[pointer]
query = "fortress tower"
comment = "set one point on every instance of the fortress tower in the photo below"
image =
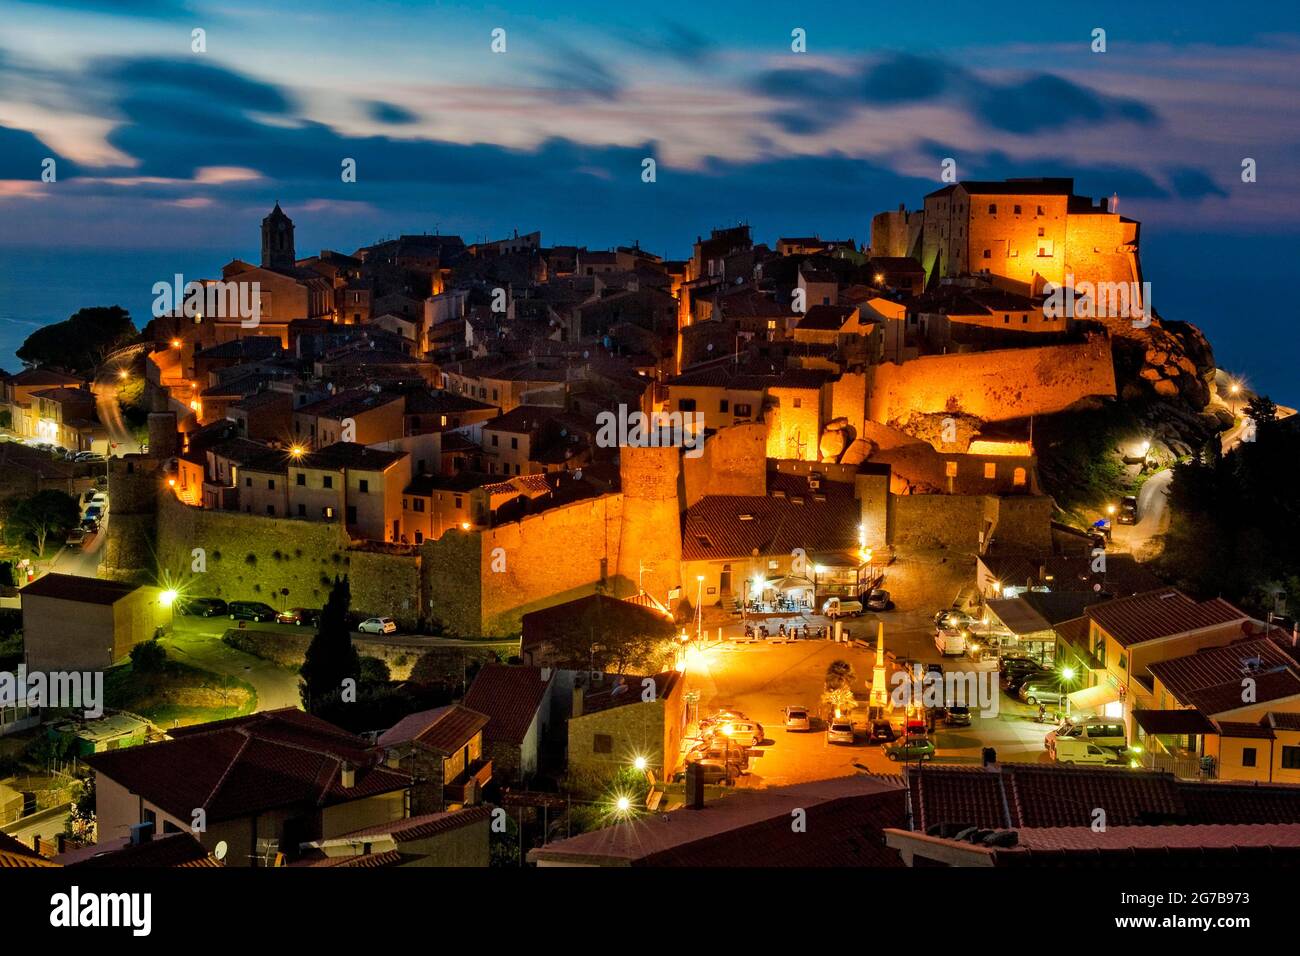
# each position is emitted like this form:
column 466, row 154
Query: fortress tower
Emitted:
column 277, row 240
column 650, row 538
column 134, row 484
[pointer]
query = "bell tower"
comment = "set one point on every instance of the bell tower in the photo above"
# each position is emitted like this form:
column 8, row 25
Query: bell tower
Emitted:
column 277, row 240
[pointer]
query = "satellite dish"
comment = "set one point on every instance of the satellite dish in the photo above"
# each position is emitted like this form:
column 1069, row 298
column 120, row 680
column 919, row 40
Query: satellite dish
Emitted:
column 221, row 850
column 587, row 354
column 710, row 346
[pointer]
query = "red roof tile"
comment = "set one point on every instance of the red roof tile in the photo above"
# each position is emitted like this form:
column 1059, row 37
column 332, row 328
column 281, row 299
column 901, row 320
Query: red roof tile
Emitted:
column 511, row 697
column 1160, row 613
column 443, row 729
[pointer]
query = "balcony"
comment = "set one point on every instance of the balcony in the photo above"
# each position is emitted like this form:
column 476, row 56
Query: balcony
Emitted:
column 466, row 787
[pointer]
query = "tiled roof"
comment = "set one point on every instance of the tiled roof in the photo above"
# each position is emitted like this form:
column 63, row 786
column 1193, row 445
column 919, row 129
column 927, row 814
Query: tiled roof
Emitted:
column 845, row 817
column 1061, row 573
column 443, row 729
column 1218, row 665
column 1232, row 802
column 511, row 697
column 165, row 850
column 625, row 689
column 15, row 855
column 826, row 318
column 1160, row 613
column 1192, row 836
column 717, row 527
column 1231, row 694
column 347, row 454
column 1173, row 722
column 1244, row 729
column 246, row 765
column 418, row 828
column 348, row 404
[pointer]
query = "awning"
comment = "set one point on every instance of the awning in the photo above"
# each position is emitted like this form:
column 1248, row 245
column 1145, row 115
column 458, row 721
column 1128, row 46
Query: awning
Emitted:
column 1090, row 698
column 795, row 582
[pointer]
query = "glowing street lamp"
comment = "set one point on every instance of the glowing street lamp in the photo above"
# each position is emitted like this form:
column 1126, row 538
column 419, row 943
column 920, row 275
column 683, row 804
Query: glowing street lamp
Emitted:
column 1234, row 390
column 166, row 598
column 699, row 607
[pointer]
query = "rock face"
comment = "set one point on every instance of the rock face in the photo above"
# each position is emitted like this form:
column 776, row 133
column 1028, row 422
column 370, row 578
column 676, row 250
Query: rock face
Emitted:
column 1166, row 360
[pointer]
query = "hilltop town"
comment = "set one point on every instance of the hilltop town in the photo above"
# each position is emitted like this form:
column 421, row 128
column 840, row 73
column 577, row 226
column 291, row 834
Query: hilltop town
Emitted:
column 564, row 519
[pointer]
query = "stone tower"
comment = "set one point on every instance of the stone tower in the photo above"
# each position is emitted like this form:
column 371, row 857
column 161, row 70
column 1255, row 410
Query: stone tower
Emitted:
column 650, row 539
column 277, row 240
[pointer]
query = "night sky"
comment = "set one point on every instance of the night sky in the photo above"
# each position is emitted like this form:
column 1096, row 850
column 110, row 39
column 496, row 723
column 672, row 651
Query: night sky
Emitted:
column 167, row 159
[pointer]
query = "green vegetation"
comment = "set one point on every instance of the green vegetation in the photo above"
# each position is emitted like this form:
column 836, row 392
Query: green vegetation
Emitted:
column 178, row 693
column 80, row 343
column 34, row 520
column 1078, row 464
column 1235, row 529
column 331, row 659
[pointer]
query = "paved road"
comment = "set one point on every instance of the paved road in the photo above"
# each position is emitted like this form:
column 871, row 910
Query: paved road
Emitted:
column 1153, row 511
column 197, row 641
column 82, row 560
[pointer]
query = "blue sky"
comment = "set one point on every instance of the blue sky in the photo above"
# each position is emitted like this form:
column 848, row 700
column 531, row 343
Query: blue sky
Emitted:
column 166, row 152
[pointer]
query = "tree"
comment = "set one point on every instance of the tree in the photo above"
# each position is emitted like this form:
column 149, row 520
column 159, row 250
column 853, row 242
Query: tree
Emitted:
column 1262, row 410
column 331, row 659
column 609, row 633
column 148, row 657
column 839, row 673
column 79, row 343
column 44, row 513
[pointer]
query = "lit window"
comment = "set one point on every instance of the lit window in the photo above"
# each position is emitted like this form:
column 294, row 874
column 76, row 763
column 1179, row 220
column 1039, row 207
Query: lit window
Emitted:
column 990, row 469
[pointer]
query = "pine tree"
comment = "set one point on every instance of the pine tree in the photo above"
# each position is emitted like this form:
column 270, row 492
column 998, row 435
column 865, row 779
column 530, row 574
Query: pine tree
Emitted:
column 331, row 658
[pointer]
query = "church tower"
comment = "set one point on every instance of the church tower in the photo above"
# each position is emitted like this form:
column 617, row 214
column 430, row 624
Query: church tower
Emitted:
column 277, row 240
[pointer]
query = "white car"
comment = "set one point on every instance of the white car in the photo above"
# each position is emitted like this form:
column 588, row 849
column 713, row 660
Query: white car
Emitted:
column 839, row 731
column 378, row 625
column 796, row 718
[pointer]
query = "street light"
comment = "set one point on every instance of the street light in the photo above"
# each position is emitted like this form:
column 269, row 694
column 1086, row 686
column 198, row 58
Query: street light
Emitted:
column 699, row 607
column 1234, row 390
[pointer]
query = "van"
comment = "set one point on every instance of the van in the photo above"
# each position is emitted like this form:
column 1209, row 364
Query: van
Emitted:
column 1075, row 751
column 950, row 641
column 1102, row 731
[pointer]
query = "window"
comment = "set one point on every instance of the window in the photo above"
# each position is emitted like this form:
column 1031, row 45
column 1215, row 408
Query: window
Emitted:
column 364, row 485
column 686, row 404
column 1041, row 232
column 327, row 512
column 743, row 410
column 495, row 442
column 270, row 509
column 514, row 443
column 302, row 511
column 302, row 479
column 950, row 469
column 993, row 209
column 248, row 482
column 405, row 505
column 419, row 505
column 1248, row 756
column 458, row 500
column 352, row 514
column 327, row 481
column 419, row 537
column 602, row 744
column 990, row 469
column 1040, row 210
column 988, row 253
column 1018, row 476
column 1291, row 758
column 1016, row 210
column 270, row 484
column 798, row 403
column 724, row 406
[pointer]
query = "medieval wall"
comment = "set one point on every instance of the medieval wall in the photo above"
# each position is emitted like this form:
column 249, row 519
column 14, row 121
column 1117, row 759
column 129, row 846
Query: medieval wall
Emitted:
column 968, row 523
column 993, row 386
column 733, row 463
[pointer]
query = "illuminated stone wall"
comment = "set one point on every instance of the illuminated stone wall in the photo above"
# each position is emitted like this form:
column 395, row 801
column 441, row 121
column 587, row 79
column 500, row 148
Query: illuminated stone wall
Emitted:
column 993, row 386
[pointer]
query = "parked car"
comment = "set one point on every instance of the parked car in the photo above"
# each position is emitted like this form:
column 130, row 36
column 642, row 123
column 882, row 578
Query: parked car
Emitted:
column 1018, row 680
column 718, row 748
column 957, row 717
column 1128, row 510
column 952, row 617
column 1042, row 690
column 715, row 771
column 878, row 600
column 839, row 731
column 94, row 511
column 297, row 615
column 250, row 611
column 881, row 732
column 797, row 718
column 950, row 641
column 742, row 733
column 90, row 525
column 1086, row 752
column 76, row 537
column 378, row 625
column 203, row 607
column 911, row 748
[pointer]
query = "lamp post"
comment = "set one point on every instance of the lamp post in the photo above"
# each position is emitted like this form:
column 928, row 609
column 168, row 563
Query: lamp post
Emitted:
column 699, row 608
column 1234, row 390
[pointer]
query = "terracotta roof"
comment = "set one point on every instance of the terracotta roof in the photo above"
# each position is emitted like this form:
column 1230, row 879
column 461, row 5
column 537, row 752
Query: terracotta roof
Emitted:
column 165, row 850
column 418, row 828
column 845, row 817
column 1218, row 665
column 826, row 318
column 511, row 697
column 1192, row 836
column 246, row 765
column 444, row 729
column 732, row 526
column 347, row 454
column 15, row 855
column 1244, row 729
column 1160, row 613
column 1174, row 722
column 1230, row 695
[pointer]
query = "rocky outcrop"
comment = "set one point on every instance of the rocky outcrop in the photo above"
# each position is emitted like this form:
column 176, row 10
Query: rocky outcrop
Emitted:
column 1172, row 361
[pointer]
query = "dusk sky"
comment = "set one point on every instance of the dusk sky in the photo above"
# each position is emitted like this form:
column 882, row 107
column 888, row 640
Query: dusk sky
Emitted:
column 167, row 159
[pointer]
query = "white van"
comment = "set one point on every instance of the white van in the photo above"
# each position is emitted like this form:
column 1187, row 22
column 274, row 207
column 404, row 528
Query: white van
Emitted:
column 1102, row 731
column 950, row 641
column 1076, row 751
column 834, row 607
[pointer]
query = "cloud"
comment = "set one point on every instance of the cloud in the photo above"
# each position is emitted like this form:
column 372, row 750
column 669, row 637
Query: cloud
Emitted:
column 573, row 71
column 390, row 113
column 22, row 153
column 1189, row 183
column 1037, row 103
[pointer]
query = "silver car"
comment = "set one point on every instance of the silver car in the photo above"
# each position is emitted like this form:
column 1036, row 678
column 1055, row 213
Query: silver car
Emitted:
column 797, row 719
column 839, row 731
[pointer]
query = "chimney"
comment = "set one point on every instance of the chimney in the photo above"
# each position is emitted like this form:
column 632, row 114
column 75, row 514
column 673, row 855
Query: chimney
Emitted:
column 141, row 833
column 577, row 702
column 60, row 842
column 1295, row 633
column 347, row 776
